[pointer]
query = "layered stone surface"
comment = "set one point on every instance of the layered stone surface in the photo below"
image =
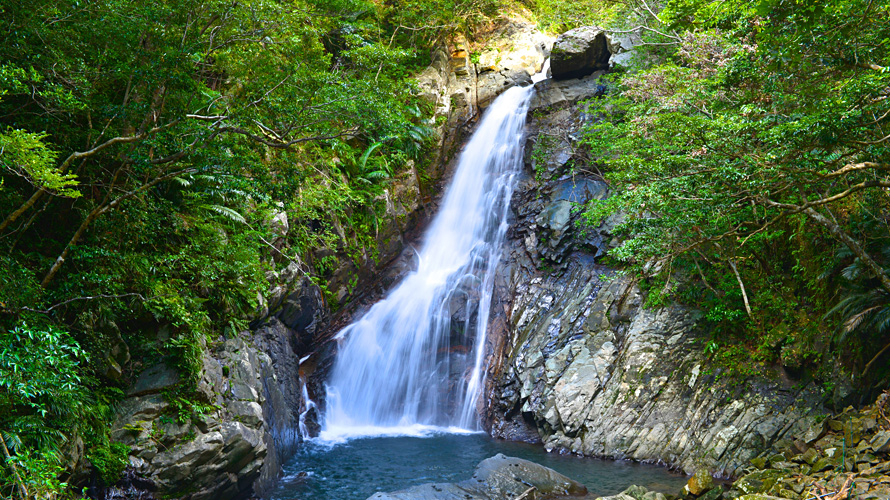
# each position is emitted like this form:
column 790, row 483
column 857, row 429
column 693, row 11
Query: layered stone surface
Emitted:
column 580, row 364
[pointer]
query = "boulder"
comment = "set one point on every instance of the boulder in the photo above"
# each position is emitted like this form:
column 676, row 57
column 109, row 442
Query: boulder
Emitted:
column 712, row 494
column 635, row 492
column 881, row 442
column 496, row 477
column 700, row 482
column 579, row 52
column 153, row 380
column 554, row 93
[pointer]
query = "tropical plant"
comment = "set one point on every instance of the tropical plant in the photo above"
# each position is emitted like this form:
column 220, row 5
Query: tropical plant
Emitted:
column 42, row 400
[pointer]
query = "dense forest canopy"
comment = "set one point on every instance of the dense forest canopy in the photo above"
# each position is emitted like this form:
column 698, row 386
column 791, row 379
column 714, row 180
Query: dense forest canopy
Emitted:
column 145, row 148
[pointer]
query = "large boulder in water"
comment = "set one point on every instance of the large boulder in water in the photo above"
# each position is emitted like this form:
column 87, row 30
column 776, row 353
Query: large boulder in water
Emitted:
column 579, row 52
column 496, row 477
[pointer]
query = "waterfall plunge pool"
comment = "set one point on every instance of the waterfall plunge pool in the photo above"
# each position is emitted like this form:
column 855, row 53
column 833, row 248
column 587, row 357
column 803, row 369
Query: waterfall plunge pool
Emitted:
column 358, row 468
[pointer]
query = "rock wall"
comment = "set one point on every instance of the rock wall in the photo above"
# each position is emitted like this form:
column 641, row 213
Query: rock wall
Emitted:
column 579, row 363
column 250, row 385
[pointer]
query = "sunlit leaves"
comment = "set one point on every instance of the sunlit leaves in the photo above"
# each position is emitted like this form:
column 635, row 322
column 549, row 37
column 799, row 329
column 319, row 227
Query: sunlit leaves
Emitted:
column 25, row 154
column 39, row 376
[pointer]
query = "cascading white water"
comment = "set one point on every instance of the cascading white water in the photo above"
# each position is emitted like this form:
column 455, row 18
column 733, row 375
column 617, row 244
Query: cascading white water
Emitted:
column 416, row 357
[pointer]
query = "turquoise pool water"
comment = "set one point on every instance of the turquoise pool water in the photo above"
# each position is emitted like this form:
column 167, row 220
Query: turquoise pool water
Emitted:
column 357, row 469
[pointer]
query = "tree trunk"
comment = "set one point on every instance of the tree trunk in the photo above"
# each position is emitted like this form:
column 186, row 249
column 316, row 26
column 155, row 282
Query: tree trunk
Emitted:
column 22, row 209
column 95, row 213
column 15, row 471
column 854, row 247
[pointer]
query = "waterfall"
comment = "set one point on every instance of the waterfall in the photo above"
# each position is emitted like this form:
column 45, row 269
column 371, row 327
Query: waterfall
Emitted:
column 416, row 358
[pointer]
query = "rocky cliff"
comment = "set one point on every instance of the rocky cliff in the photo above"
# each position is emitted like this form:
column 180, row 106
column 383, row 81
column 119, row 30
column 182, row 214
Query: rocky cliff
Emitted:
column 579, row 363
column 249, row 422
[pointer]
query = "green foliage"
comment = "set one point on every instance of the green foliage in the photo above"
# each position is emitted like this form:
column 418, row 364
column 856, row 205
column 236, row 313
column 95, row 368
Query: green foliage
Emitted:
column 542, row 150
column 747, row 153
column 109, row 461
column 35, row 473
column 41, row 389
column 43, row 399
column 863, row 312
column 143, row 148
column 25, row 154
column 424, row 22
column 557, row 16
column 183, row 405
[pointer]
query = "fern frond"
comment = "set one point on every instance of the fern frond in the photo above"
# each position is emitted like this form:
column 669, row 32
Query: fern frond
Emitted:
column 855, row 320
column 363, row 160
column 225, row 212
column 377, row 175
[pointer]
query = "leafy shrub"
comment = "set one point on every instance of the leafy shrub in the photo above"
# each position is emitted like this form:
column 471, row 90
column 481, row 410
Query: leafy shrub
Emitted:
column 109, row 461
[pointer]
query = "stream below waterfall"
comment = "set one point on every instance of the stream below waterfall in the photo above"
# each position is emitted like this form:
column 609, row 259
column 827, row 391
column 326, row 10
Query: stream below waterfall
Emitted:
column 357, row 469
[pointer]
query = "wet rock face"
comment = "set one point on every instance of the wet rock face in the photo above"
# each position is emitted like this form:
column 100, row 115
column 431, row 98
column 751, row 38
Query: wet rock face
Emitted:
column 496, row 477
column 301, row 311
column 579, row 363
column 580, row 52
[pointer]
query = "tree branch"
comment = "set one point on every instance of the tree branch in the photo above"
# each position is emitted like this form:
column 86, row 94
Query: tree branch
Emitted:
column 76, row 156
column 15, row 471
column 75, row 299
column 742, row 286
column 855, row 167
column 875, row 358
column 95, row 213
column 286, row 144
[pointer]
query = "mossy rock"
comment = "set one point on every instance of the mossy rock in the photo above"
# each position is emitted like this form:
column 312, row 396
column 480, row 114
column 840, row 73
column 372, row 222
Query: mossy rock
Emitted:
column 824, row 464
column 759, row 482
column 636, row 492
column 712, row 494
column 783, row 493
column 759, row 462
column 810, row 456
column 835, row 425
column 700, row 482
